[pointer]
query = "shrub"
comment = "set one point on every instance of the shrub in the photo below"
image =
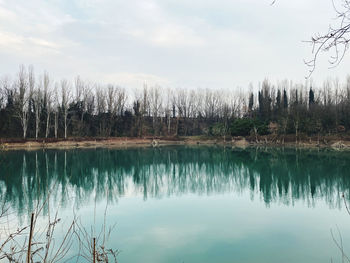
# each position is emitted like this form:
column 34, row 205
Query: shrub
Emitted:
column 218, row 129
column 244, row 127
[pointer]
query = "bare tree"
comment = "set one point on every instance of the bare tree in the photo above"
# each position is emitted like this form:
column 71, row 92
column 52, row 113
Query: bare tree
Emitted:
column 211, row 103
column 88, row 101
column 101, row 108
column 56, row 109
column 145, row 108
column 156, row 105
column 181, row 102
column 111, row 91
column 5, row 88
column 167, row 109
column 120, row 100
column 37, row 100
column 100, row 100
column 111, row 108
column 23, row 97
column 89, row 98
column 65, row 100
column 47, row 101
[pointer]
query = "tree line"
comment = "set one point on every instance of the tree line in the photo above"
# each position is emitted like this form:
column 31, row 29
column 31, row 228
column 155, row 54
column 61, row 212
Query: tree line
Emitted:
column 37, row 107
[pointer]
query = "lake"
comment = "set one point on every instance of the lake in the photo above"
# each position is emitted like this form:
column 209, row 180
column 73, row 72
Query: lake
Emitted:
column 191, row 203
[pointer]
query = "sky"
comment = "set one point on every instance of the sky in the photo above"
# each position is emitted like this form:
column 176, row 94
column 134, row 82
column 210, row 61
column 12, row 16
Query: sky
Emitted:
column 218, row 44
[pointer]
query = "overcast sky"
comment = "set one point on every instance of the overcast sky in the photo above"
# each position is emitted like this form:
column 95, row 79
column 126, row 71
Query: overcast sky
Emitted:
column 172, row 43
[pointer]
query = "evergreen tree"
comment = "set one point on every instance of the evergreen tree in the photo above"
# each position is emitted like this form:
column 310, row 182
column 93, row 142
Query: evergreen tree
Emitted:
column 285, row 99
column 311, row 97
column 278, row 100
column 251, row 101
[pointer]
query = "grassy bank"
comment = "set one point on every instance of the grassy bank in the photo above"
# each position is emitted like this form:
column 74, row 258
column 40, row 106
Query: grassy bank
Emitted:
column 330, row 141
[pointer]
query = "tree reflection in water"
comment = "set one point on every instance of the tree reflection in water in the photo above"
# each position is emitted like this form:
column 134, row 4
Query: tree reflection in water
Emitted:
column 275, row 175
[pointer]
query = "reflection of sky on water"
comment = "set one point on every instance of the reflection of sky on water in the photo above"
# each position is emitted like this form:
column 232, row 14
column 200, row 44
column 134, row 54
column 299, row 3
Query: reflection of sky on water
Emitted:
column 222, row 228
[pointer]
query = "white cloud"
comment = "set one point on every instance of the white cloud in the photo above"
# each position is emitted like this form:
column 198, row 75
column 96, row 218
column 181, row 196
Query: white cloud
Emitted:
column 19, row 45
column 25, row 44
column 132, row 79
column 6, row 14
column 43, row 43
column 10, row 40
column 170, row 35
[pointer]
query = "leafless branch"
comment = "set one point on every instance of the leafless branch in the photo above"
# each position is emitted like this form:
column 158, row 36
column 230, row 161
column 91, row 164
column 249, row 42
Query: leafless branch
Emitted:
column 336, row 40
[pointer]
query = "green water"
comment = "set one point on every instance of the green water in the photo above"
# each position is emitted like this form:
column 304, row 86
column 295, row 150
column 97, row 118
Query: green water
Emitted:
column 193, row 204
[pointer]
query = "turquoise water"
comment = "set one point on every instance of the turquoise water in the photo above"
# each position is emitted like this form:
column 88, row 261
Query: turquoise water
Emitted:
column 192, row 204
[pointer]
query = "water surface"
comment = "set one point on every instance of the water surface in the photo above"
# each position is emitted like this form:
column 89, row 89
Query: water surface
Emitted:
column 192, row 204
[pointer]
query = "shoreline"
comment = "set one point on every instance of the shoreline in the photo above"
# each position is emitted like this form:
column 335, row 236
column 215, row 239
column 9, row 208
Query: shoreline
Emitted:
column 330, row 142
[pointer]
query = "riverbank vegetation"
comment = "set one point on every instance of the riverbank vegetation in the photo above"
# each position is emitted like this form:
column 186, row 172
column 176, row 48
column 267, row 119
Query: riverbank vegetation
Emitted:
column 45, row 237
column 37, row 107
